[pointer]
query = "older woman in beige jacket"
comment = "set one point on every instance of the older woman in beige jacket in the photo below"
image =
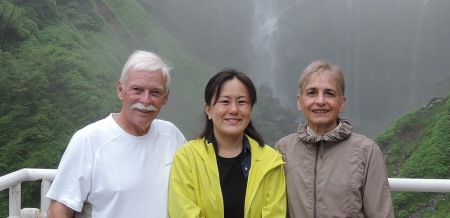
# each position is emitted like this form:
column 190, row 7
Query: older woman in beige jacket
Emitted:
column 331, row 171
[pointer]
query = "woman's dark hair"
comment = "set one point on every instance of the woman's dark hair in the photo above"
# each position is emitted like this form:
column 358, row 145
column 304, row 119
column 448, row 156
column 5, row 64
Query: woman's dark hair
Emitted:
column 213, row 89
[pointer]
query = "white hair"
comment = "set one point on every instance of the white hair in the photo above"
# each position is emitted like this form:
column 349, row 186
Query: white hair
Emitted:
column 148, row 61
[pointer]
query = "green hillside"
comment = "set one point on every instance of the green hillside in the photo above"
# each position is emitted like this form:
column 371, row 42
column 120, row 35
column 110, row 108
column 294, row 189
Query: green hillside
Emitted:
column 418, row 146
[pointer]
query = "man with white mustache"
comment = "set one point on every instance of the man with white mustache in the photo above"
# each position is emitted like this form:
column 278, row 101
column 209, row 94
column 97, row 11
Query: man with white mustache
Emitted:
column 119, row 166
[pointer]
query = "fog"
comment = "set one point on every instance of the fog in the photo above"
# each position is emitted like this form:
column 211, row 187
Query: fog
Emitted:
column 395, row 54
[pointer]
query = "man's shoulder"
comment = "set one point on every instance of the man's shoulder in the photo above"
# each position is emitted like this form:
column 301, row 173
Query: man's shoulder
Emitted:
column 102, row 125
column 163, row 123
column 165, row 127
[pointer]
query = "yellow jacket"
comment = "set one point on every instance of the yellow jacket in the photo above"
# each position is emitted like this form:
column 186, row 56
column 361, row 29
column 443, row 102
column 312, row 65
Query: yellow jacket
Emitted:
column 194, row 187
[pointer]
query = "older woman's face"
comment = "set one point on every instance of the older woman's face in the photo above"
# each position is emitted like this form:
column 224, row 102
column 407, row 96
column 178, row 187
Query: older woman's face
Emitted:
column 321, row 103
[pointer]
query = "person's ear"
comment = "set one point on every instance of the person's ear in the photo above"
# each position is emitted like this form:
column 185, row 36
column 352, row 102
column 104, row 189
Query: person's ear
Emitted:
column 299, row 102
column 344, row 100
column 120, row 90
column 207, row 111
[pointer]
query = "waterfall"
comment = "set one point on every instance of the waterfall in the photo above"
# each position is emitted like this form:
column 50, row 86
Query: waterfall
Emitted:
column 267, row 15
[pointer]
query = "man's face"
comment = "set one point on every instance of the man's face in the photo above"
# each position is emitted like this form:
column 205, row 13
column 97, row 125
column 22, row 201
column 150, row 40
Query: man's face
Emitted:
column 142, row 96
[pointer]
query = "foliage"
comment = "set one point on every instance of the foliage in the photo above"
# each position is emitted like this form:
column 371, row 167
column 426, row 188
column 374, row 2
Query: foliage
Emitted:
column 42, row 11
column 401, row 124
column 443, row 207
column 271, row 119
column 418, row 146
column 10, row 20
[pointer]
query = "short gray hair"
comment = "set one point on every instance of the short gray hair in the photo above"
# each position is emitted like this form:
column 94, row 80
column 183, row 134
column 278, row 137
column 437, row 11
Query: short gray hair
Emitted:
column 317, row 68
column 148, row 61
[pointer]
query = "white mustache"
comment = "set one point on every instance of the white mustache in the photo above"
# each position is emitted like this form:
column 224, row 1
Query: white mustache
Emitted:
column 141, row 106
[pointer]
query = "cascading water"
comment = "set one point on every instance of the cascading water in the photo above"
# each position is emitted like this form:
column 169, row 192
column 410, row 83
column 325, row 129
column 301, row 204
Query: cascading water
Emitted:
column 267, row 14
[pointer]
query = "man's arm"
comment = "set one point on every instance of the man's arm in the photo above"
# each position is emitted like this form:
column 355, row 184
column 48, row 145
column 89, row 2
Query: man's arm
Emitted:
column 59, row 210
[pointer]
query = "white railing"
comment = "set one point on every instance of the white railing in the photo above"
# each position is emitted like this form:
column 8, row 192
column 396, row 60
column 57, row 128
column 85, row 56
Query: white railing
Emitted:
column 13, row 181
column 419, row 185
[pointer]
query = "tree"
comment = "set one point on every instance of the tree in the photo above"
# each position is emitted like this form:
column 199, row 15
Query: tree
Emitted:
column 9, row 15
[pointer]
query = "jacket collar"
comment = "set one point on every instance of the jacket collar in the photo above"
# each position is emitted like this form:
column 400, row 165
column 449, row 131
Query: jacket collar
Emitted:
column 210, row 138
column 257, row 151
column 341, row 132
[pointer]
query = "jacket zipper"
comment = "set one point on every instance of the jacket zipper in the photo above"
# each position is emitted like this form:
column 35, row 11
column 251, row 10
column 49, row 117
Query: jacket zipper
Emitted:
column 318, row 150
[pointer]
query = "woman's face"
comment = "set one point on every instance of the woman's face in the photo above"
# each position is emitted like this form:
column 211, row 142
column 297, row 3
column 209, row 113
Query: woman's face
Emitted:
column 230, row 113
column 321, row 103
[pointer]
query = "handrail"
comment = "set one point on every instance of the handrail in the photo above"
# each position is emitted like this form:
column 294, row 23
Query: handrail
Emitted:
column 13, row 182
column 14, row 179
column 419, row 185
column 26, row 174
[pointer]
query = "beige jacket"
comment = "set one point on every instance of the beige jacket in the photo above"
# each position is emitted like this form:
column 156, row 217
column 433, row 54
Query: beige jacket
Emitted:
column 340, row 174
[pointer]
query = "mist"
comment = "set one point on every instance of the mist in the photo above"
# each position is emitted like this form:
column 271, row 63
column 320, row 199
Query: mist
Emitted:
column 395, row 54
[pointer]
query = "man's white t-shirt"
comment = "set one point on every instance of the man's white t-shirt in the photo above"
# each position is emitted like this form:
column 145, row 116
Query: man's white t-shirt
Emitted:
column 118, row 174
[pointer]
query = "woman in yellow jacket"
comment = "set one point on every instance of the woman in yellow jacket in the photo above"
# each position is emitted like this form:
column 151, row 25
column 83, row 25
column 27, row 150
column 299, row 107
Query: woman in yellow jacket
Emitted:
column 227, row 171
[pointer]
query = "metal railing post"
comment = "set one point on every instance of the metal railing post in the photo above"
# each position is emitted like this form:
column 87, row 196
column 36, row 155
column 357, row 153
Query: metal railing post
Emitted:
column 45, row 202
column 15, row 197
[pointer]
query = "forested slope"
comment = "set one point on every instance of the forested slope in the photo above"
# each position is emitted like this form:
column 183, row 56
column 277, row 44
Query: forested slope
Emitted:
column 417, row 145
